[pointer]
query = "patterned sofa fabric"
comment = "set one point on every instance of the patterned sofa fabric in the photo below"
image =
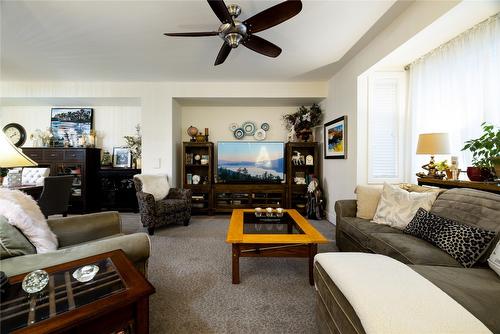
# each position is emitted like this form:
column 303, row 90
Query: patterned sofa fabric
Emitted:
column 174, row 208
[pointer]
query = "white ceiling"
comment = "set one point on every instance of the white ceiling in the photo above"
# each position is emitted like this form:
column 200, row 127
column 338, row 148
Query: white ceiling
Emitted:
column 123, row 40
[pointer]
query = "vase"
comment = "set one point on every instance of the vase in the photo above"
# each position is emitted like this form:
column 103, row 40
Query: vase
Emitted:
column 474, row 174
column 305, row 135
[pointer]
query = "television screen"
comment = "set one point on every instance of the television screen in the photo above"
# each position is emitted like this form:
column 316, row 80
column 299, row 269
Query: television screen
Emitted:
column 250, row 162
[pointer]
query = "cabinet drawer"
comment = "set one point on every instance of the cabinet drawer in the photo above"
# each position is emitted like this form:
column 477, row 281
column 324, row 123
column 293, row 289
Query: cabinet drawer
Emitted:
column 52, row 155
column 35, row 155
column 74, row 155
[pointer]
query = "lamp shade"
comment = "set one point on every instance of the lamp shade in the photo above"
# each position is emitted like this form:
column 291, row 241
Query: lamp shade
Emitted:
column 433, row 143
column 11, row 156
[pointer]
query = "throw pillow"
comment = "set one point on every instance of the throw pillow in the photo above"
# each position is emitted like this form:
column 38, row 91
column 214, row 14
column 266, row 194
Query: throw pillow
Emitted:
column 367, row 198
column 156, row 185
column 494, row 259
column 24, row 213
column 397, row 207
column 465, row 243
column 12, row 241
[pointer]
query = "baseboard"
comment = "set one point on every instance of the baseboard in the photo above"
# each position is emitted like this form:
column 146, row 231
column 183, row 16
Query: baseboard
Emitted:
column 330, row 216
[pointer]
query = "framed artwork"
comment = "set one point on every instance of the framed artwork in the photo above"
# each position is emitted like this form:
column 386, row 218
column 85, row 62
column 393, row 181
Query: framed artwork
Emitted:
column 122, row 157
column 70, row 124
column 335, row 133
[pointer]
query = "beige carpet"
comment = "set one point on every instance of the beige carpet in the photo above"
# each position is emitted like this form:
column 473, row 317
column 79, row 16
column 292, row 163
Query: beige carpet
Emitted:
column 190, row 268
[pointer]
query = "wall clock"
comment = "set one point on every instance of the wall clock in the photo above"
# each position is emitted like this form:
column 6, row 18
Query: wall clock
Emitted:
column 16, row 134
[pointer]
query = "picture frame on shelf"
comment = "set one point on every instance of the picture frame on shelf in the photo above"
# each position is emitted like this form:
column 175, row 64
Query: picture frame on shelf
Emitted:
column 70, row 125
column 335, row 138
column 122, row 158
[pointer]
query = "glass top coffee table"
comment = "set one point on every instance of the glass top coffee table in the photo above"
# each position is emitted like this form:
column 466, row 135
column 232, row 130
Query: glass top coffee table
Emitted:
column 115, row 298
column 288, row 236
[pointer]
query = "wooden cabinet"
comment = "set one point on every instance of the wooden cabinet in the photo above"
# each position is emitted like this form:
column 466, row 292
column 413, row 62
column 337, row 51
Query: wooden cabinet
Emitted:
column 239, row 196
column 302, row 163
column 198, row 175
column 117, row 190
column 82, row 163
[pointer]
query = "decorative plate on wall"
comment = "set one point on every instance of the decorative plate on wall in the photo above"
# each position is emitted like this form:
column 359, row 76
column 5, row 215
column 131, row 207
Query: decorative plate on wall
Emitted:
column 249, row 128
column 239, row 133
column 233, row 126
column 260, row 134
column 265, row 126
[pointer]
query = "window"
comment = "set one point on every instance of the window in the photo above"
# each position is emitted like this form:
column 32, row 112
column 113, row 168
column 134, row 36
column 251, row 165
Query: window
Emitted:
column 386, row 117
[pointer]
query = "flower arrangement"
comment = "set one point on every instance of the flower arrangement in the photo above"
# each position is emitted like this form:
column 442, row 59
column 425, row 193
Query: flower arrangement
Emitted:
column 300, row 122
column 41, row 136
column 134, row 143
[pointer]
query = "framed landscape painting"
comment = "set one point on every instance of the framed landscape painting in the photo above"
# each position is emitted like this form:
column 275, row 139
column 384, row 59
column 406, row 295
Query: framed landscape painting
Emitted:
column 335, row 133
column 70, row 124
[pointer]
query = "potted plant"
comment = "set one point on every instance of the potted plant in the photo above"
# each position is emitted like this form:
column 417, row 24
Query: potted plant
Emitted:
column 443, row 167
column 301, row 122
column 484, row 150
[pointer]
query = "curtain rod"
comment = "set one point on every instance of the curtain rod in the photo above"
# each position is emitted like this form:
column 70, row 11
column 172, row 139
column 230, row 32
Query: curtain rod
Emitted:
column 480, row 24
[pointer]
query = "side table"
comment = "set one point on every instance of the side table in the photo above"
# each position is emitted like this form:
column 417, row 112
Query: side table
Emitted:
column 116, row 299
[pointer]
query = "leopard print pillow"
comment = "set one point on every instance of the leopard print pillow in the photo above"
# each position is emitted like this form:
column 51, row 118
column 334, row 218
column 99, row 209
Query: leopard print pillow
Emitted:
column 465, row 243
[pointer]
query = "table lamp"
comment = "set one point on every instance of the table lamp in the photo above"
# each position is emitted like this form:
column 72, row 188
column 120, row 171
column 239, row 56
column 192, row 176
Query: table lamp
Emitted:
column 432, row 143
column 11, row 156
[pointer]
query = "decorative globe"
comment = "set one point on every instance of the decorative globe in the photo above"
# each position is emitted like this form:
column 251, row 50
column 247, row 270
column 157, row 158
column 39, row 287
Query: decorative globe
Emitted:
column 192, row 131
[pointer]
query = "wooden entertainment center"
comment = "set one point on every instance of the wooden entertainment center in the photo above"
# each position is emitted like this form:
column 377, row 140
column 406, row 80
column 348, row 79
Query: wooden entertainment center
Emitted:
column 210, row 197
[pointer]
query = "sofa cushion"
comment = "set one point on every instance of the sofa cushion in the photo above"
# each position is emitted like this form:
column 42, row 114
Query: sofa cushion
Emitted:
column 12, row 241
column 361, row 229
column 397, row 207
column 169, row 206
column 494, row 259
column 367, row 198
column 23, row 212
column 476, row 289
column 409, row 249
column 156, row 185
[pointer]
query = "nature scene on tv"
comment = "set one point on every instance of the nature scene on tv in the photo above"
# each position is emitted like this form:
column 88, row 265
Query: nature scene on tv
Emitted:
column 250, row 162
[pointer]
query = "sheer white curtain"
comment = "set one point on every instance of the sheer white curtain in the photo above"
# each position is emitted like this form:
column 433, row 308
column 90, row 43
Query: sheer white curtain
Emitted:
column 454, row 89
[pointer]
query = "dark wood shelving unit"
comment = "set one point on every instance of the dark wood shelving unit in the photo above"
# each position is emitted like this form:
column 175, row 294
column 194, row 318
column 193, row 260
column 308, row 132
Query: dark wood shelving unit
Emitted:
column 211, row 197
column 297, row 193
column 117, row 190
column 201, row 193
column 82, row 163
column 239, row 196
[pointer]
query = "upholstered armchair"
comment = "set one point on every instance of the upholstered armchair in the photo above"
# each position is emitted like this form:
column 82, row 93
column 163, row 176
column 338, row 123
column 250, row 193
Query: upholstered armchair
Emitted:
column 159, row 204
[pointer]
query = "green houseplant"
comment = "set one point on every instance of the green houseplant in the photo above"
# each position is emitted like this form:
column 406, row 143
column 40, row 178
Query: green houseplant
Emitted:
column 485, row 150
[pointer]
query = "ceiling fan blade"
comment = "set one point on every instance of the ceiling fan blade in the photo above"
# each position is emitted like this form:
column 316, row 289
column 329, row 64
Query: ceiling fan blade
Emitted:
column 191, row 34
column 273, row 15
column 220, row 9
column 262, row 46
column 223, row 53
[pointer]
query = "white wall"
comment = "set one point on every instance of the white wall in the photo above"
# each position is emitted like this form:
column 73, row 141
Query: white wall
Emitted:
column 110, row 122
column 340, row 176
column 218, row 119
column 157, row 107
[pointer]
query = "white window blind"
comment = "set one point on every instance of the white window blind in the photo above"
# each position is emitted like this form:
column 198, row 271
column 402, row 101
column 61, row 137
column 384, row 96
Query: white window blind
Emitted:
column 385, row 124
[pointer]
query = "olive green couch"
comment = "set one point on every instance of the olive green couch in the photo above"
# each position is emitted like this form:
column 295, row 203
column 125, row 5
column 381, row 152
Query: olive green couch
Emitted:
column 477, row 289
column 83, row 236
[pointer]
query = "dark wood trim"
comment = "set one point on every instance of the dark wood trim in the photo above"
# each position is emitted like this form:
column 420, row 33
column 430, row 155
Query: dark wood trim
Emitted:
column 448, row 184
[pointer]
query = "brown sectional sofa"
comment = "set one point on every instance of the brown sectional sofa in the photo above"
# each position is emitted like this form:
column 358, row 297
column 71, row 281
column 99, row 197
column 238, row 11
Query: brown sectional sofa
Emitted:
column 477, row 288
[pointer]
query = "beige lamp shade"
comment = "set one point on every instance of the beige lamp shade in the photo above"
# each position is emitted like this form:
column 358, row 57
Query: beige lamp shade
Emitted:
column 11, row 156
column 433, row 143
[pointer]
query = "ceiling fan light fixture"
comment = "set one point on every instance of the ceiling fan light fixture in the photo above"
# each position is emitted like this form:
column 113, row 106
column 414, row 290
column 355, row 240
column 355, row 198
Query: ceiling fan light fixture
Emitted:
column 233, row 39
column 234, row 10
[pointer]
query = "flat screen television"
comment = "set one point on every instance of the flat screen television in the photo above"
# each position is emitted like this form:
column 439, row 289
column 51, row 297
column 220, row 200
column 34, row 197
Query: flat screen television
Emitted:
column 250, row 162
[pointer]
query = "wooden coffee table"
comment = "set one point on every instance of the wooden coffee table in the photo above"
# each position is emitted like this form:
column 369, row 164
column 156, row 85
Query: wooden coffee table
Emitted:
column 116, row 299
column 289, row 236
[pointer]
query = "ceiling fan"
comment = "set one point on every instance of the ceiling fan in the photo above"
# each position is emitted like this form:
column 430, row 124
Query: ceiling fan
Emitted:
column 235, row 32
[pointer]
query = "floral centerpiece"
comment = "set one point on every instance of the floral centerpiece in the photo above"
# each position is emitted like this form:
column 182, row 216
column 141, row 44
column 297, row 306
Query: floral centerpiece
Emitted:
column 41, row 138
column 302, row 121
column 134, row 143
